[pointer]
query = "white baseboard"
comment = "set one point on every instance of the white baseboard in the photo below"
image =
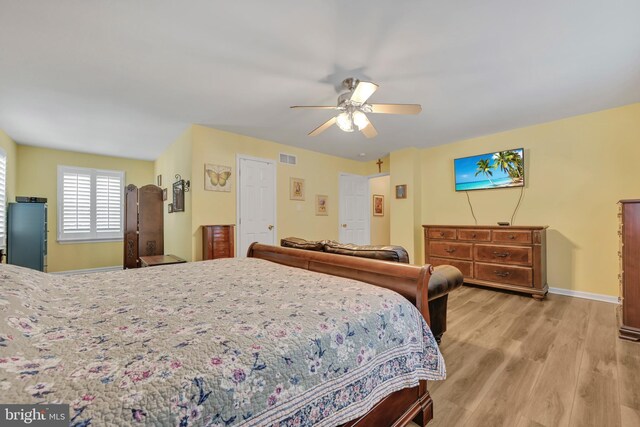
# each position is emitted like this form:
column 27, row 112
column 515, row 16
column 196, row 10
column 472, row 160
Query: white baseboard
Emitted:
column 585, row 295
column 89, row 270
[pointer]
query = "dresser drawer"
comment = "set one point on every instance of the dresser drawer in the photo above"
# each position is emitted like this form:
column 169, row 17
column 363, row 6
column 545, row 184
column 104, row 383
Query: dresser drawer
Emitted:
column 514, row 236
column 441, row 233
column 510, row 275
column 465, row 267
column 451, row 250
column 522, row 255
column 475, row 235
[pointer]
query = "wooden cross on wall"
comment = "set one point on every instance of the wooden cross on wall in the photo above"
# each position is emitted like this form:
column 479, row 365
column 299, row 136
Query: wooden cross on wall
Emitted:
column 379, row 163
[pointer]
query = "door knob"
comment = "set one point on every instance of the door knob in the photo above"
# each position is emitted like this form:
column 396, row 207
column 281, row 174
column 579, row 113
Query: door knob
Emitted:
column 271, row 227
column 344, row 225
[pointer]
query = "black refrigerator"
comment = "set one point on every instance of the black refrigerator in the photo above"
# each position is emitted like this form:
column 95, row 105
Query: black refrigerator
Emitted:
column 27, row 235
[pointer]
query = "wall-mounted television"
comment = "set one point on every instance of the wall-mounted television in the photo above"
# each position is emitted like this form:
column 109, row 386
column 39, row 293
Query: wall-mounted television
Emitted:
column 502, row 169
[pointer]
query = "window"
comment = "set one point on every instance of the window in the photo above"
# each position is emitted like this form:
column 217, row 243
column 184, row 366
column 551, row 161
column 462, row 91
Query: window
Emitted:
column 3, row 197
column 90, row 204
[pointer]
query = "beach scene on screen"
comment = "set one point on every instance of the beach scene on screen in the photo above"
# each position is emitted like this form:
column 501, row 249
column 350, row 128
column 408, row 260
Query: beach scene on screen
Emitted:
column 492, row 170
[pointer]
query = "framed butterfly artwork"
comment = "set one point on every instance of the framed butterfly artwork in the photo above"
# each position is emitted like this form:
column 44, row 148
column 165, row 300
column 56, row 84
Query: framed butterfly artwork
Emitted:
column 217, row 177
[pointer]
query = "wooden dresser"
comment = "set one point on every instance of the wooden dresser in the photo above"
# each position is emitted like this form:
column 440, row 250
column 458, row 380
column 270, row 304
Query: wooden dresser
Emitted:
column 217, row 241
column 513, row 258
column 630, row 269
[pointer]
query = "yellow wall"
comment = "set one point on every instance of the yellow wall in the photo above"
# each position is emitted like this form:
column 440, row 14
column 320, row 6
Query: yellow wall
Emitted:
column 406, row 213
column 380, row 225
column 10, row 148
column 176, row 159
column 576, row 171
column 294, row 218
column 37, row 176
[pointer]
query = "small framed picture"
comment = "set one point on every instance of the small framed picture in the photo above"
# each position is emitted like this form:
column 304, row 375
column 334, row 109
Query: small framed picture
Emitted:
column 170, row 208
column 164, row 194
column 378, row 205
column 321, row 205
column 217, row 177
column 159, row 181
column 401, row 191
column 296, row 189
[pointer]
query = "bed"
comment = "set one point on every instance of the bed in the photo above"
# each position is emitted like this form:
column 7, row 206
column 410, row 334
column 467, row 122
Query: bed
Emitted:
column 283, row 337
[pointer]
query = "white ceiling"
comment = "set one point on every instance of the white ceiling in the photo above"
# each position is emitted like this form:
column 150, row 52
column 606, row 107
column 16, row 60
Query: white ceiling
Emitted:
column 125, row 78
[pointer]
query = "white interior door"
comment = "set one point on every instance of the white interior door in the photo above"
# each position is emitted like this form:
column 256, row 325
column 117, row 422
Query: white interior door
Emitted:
column 256, row 202
column 354, row 210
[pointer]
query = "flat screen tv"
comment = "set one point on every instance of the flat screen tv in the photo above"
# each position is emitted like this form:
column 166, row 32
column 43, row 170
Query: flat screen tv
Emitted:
column 503, row 169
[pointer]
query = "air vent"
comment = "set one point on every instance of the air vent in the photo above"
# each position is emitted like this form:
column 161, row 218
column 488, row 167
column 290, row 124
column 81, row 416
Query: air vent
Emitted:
column 289, row 159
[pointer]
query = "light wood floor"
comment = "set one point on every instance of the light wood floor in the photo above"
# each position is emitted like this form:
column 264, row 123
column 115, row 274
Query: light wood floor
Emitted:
column 513, row 361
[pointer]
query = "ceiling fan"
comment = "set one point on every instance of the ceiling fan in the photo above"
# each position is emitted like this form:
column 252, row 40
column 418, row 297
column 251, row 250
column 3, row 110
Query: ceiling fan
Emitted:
column 353, row 106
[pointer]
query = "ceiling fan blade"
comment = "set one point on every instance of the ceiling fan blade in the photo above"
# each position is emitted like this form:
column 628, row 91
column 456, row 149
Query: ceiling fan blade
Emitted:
column 369, row 131
column 363, row 91
column 326, row 125
column 396, row 108
column 317, row 107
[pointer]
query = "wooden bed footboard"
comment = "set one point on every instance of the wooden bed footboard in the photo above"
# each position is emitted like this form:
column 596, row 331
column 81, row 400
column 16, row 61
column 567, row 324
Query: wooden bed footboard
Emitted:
column 410, row 281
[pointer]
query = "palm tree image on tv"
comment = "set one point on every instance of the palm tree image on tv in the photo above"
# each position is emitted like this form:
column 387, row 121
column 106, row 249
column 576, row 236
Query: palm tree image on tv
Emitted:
column 484, row 168
column 491, row 170
column 510, row 162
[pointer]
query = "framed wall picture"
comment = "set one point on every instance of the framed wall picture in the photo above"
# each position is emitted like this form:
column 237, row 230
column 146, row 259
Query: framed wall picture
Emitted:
column 378, row 205
column 170, row 208
column 296, row 189
column 321, row 205
column 217, row 177
column 159, row 180
column 401, row 191
column 164, row 194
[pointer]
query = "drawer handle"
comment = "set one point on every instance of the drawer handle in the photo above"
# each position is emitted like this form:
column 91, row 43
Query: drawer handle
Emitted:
column 501, row 254
column 473, row 235
column 442, row 234
column 450, row 250
column 501, row 273
column 511, row 236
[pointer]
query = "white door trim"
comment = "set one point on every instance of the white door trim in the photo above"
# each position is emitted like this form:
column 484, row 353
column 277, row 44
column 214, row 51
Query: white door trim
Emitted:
column 368, row 219
column 275, row 202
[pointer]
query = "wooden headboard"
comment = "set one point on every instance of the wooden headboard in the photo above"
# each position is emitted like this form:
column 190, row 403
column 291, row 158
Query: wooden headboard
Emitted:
column 409, row 281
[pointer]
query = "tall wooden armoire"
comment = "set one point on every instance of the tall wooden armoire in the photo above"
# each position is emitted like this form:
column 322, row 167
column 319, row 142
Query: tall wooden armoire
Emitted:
column 144, row 224
column 630, row 266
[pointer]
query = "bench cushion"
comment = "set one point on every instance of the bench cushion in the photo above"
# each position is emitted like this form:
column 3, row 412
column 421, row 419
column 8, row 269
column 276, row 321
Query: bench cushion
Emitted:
column 444, row 279
column 298, row 243
column 384, row 253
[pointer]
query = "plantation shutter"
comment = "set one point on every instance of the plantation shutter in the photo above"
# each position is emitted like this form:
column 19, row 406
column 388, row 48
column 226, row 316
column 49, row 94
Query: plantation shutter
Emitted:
column 109, row 203
column 3, row 198
column 91, row 206
column 76, row 203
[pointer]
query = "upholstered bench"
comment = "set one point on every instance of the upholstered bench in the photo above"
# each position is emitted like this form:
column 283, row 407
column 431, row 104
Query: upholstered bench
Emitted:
column 444, row 279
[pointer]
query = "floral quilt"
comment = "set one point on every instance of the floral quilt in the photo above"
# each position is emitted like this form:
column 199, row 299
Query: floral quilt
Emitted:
column 215, row 343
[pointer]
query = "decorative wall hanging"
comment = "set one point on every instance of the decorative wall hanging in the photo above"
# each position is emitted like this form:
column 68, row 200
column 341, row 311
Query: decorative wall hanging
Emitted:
column 217, row 177
column 164, row 194
column 401, row 191
column 378, row 205
column 159, row 180
column 179, row 188
column 321, row 205
column 296, row 189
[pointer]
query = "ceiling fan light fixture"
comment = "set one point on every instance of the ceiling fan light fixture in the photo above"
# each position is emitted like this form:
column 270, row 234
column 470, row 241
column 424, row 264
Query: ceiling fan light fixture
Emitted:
column 360, row 120
column 345, row 121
